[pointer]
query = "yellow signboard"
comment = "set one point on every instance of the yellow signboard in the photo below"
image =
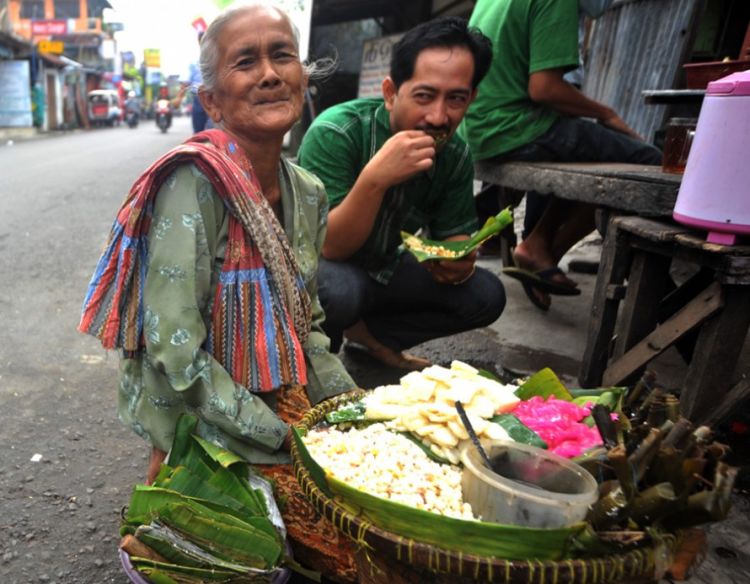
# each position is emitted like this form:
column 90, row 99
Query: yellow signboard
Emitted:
column 51, row 47
column 152, row 57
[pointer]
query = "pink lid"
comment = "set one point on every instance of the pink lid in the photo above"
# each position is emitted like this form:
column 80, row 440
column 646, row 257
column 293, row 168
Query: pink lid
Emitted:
column 734, row 84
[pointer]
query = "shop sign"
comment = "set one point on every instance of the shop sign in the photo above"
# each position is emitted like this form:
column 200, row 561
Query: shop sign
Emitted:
column 48, row 27
column 376, row 65
column 51, row 47
column 152, row 57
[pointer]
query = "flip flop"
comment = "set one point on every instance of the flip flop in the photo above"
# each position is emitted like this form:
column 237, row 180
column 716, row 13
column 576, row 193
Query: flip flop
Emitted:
column 529, row 289
column 542, row 280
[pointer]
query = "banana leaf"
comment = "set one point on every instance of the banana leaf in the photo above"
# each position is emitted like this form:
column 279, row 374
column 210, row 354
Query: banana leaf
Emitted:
column 225, row 539
column 224, row 457
column 351, row 412
column 428, row 249
column 185, row 482
column 472, row 537
column 426, row 449
column 518, row 431
column 543, row 383
column 180, row 550
column 147, row 502
column 316, row 471
column 156, row 571
column 182, row 439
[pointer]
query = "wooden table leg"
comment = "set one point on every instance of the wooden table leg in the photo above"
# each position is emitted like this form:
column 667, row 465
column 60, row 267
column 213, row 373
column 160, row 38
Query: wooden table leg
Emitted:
column 716, row 354
column 608, row 292
column 639, row 314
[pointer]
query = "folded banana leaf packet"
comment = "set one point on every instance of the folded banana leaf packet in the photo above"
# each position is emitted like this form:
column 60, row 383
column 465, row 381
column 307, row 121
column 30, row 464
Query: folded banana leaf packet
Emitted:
column 428, row 249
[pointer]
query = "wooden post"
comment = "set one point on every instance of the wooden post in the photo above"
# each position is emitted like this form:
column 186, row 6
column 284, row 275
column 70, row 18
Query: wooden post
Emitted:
column 715, row 358
column 613, row 268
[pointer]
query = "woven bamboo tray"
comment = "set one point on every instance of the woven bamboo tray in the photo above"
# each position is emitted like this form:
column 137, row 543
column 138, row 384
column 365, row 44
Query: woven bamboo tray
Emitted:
column 400, row 559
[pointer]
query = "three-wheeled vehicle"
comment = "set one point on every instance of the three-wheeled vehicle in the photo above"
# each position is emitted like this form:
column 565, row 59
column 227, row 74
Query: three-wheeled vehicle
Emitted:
column 104, row 107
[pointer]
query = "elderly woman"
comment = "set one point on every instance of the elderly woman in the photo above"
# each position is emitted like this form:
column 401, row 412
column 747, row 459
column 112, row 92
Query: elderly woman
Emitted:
column 208, row 282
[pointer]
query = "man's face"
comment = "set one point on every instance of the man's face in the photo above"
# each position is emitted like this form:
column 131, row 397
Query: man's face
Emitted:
column 436, row 97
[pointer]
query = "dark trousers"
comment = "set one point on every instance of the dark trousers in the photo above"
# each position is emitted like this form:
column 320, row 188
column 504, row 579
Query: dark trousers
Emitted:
column 574, row 140
column 199, row 116
column 411, row 309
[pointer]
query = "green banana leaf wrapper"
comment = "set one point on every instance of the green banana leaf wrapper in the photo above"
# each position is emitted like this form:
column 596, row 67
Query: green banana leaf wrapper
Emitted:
column 428, row 249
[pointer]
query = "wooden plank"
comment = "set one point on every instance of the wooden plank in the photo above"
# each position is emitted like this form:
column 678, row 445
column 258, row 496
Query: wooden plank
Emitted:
column 646, row 285
column 727, row 404
column 650, row 229
column 613, row 267
column 632, row 188
column 692, row 315
column 717, row 350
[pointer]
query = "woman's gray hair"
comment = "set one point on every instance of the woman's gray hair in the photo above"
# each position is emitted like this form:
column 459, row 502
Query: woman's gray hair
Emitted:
column 209, row 57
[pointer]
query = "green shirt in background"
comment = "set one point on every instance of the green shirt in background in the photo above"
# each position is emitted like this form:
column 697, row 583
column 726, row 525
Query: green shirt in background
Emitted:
column 527, row 36
column 343, row 139
column 174, row 374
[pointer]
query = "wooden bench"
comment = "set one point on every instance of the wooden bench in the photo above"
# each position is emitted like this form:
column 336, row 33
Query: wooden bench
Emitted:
column 713, row 306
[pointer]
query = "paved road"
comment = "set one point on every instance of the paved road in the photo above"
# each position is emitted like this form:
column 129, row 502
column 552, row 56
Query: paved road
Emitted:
column 58, row 196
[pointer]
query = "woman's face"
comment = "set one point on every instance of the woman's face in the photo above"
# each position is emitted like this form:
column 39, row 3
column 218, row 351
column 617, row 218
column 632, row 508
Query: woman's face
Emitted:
column 260, row 81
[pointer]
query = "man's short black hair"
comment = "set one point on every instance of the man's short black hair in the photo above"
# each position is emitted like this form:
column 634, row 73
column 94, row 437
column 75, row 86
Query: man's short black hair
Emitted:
column 444, row 31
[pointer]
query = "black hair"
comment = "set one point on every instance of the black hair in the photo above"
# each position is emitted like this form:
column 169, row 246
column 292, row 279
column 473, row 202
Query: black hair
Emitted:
column 444, row 31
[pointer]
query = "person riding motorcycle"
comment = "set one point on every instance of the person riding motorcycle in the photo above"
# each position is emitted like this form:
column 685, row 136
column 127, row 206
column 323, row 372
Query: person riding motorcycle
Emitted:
column 132, row 109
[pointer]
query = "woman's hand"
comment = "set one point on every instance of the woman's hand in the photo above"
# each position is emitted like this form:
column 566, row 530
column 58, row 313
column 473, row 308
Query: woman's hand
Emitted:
column 286, row 445
column 154, row 464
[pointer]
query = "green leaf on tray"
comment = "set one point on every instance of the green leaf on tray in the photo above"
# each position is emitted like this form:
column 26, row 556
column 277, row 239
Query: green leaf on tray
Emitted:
column 518, row 431
column 428, row 249
column 316, row 471
column 426, row 449
column 351, row 412
column 543, row 383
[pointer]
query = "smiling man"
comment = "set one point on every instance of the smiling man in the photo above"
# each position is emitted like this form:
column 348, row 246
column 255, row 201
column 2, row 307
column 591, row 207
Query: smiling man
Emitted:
column 396, row 164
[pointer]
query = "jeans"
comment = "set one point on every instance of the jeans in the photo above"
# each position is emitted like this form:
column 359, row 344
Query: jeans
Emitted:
column 411, row 309
column 199, row 116
column 577, row 140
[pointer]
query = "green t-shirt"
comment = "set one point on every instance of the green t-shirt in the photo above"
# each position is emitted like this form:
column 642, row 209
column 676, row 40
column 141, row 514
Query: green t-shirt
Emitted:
column 339, row 144
column 527, row 36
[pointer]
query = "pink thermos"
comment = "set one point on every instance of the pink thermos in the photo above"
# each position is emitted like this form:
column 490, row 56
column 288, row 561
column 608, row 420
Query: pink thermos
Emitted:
column 715, row 190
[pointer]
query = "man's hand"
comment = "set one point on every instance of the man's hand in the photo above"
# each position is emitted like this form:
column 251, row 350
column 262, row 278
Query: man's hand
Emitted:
column 286, row 445
column 615, row 122
column 454, row 271
column 402, row 156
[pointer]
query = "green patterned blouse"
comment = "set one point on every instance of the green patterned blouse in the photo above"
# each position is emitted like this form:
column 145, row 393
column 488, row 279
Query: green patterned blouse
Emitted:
column 174, row 374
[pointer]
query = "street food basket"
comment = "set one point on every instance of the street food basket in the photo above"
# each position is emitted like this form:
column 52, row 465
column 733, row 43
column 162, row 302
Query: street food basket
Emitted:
column 387, row 557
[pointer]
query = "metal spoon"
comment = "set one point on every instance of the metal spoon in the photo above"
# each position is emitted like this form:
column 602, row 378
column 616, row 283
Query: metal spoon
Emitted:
column 472, row 434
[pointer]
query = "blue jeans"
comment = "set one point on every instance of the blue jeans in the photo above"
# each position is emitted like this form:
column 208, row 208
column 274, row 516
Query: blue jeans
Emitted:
column 199, row 116
column 411, row 309
column 577, row 140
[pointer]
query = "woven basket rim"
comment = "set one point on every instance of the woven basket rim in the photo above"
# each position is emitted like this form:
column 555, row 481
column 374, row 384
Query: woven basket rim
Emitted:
column 631, row 564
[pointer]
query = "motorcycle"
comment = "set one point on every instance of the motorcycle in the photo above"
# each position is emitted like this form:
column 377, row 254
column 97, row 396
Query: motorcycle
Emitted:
column 132, row 116
column 163, row 115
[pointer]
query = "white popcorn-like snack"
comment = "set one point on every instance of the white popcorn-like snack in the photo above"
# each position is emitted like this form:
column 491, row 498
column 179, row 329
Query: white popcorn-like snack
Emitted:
column 423, row 404
column 388, row 465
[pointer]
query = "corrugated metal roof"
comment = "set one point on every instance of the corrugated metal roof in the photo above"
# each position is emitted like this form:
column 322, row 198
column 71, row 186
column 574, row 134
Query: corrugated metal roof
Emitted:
column 638, row 45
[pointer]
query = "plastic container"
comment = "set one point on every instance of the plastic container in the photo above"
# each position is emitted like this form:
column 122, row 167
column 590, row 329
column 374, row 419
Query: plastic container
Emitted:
column 532, row 487
column 715, row 190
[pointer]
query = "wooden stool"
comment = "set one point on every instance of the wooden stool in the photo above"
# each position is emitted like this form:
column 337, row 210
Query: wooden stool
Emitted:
column 713, row 306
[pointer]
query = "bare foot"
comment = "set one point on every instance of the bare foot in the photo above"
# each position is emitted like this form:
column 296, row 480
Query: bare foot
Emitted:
column 525, row 259
column 360, row 334
column 399, row 360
